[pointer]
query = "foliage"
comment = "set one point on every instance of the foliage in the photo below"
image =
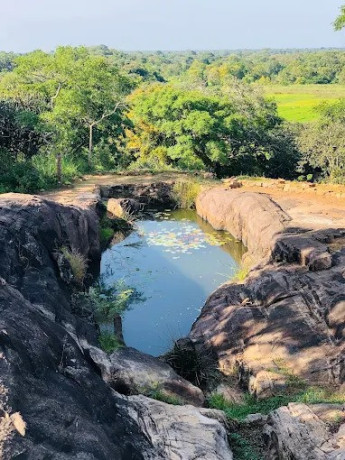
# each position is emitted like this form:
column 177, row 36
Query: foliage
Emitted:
column 76, row 98
column 339, row 23
column 323, row 145
column 185, row 192
column 110, row 301
column 161, row 395
column 66, row 113
column 109, row 342
column 311, row 395
column 78, row 263
column 242, row 448
column 106, row 233
column 225, row 134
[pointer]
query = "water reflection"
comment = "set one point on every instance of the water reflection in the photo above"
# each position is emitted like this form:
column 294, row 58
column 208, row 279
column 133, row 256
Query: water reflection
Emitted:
column 175, row 261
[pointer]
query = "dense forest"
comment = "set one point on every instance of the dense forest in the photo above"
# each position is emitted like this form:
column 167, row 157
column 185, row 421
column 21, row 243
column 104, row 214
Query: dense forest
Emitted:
column 82, row 110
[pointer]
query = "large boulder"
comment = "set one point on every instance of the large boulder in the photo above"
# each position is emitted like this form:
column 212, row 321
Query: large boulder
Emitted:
column 301, row 432
column 131, row 372
column 181, row 432
column 252, row 218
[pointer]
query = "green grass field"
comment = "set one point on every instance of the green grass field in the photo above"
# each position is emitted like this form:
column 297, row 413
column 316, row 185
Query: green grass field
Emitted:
column 299, row 103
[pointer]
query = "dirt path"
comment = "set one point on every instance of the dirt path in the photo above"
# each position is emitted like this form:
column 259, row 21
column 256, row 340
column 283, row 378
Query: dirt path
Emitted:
column 315, row 207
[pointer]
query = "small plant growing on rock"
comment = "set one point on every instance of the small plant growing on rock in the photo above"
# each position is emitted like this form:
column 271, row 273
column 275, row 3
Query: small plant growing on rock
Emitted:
column 109, row 342
column 77, row 262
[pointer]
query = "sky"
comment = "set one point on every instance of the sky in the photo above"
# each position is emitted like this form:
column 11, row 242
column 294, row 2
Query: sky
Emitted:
column 169, row 24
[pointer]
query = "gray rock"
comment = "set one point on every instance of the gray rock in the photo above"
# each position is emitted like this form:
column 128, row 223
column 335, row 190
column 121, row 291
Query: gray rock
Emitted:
column 306, row 432
column 130, row 372
column 180, row 432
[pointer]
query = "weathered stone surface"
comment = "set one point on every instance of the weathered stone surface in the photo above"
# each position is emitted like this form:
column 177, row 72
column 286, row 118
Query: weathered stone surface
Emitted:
column 131, row 372
column 53, row 400
column 68, row 411
column 230, row 210
column 120, row 207
column 288, row 318
column 180, row 432
column 156, row 195
column 301, row 432
column 231, row 394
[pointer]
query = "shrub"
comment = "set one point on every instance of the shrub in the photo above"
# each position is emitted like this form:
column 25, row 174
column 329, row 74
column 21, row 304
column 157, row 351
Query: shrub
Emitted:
column 106, row 234
column 109, row 342
column 186, row 192
column 78, row 263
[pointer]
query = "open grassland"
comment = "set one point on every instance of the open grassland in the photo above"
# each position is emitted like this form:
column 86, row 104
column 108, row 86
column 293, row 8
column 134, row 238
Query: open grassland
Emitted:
column 299, row 103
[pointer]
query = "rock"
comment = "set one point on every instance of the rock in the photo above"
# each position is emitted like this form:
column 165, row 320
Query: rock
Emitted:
column 121, row 207
column 130, row 372
column 180, row 432
column 229, row 210
column 209, row 175
column 156, row 195
column 306, row 432
column 287, row 319
column 266, row 383
column 255, row 419
column 229, row 393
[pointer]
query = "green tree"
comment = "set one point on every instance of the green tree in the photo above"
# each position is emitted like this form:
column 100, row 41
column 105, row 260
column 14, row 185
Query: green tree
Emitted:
column 72, row 92
column 322, row 144
column 194, row 129
column 339, row 23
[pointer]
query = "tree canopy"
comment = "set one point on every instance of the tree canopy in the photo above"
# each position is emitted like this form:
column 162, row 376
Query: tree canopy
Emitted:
column 339, row 23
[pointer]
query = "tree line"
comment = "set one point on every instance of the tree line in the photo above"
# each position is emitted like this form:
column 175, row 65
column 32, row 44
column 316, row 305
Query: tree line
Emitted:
column 79, row 110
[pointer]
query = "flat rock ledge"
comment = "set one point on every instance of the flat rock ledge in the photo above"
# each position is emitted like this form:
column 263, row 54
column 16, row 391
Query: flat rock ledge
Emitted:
column 288, row 318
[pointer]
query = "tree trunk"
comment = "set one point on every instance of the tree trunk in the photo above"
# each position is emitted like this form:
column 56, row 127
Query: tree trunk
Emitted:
column 118, row 329
column 89, row 159
column 59, row 167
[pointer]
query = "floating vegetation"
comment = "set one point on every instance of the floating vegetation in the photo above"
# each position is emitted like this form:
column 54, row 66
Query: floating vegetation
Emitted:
column 185, row 238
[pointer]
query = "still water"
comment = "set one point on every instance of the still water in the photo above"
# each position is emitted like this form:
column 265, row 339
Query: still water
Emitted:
column 175, row 261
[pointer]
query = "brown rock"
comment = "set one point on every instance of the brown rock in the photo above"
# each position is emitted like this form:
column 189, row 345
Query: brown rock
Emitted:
column 292, row 320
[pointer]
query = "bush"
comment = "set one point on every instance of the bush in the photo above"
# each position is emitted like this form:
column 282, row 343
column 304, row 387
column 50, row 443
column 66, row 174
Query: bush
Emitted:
column 109, row 342
column 106, row 234
column 78, row 263
column 185, row 192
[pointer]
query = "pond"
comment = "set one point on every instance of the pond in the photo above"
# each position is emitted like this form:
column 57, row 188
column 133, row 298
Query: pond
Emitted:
column 174, row 261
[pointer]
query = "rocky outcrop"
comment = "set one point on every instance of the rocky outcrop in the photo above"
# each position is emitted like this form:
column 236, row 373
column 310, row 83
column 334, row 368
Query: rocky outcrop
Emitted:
column 53, row 400
column 131, row 372
column 156, row 195
column 287, row 320
column 304, row 432
column 180, row 432
column 230, row 210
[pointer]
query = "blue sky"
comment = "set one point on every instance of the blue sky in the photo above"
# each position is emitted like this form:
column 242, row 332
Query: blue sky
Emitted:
column 169, row 24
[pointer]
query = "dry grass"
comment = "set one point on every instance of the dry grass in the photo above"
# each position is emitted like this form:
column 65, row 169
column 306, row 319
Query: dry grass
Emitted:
column 78, row 263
